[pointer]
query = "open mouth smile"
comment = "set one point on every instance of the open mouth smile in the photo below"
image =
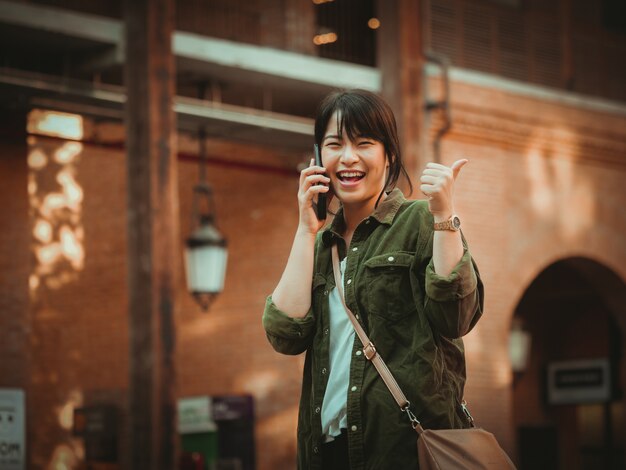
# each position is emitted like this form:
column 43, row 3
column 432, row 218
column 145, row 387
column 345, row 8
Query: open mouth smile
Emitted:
column 350, row 177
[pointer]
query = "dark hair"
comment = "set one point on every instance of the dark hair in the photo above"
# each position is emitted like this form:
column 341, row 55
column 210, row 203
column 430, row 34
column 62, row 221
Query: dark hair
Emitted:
column 363, row 113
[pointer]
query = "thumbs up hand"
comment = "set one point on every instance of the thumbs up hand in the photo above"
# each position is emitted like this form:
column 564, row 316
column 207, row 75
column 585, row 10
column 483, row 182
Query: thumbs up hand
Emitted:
column 437, row 184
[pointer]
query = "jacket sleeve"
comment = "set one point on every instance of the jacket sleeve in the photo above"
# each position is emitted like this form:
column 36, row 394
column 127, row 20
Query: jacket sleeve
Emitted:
column 454, row 303
column 286, row 334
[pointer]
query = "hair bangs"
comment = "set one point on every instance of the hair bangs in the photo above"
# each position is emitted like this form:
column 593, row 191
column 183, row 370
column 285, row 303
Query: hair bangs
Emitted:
column 355, row 119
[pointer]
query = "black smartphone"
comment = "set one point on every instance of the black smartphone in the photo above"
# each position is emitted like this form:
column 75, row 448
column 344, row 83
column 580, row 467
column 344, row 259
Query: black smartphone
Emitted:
column 321, row 198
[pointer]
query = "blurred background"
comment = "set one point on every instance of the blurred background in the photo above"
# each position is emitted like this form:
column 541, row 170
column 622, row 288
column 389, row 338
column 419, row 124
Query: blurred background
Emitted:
column 149, row 160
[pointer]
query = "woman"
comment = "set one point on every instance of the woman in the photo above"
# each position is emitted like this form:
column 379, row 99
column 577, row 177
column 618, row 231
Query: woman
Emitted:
column 407, row 276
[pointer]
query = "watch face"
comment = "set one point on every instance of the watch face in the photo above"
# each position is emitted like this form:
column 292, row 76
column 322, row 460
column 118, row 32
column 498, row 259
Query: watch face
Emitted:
column 456, row 223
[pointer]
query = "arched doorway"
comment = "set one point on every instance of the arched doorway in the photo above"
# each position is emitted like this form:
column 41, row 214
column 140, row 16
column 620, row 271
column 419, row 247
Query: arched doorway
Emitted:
column 568, row 399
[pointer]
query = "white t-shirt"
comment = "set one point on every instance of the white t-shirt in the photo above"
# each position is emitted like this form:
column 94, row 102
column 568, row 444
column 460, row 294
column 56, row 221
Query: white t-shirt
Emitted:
column 334, row 405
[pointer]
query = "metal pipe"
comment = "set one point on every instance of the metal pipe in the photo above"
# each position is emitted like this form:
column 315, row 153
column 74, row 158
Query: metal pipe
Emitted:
column 443, row 104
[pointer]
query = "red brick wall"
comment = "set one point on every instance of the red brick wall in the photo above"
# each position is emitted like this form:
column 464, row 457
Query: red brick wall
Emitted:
column 544, row 183
column 79, row 337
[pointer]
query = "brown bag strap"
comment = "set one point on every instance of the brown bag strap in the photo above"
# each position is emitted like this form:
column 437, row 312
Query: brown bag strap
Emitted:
column 370, row 350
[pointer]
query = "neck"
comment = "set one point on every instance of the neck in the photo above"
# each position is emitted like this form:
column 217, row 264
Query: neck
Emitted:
column 354, row 213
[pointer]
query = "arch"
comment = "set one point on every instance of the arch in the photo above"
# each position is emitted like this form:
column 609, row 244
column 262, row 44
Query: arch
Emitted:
column 601, row 277
column 601, row 247
column 574, row 309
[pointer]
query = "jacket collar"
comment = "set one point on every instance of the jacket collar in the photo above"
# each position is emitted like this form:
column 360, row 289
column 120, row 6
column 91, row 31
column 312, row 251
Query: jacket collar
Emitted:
column 383, row 214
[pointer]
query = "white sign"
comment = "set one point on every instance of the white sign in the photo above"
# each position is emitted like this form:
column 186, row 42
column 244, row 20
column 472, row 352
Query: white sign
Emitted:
column 12, row 429
column 584, row 381
column 195, row 415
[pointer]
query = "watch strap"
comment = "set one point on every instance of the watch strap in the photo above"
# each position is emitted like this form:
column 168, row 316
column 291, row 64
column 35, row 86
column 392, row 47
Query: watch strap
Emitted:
column 448, row 224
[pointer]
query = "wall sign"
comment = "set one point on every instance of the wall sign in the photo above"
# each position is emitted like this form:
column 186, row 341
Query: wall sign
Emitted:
column 195, row 415
column 12, row 429
column 584, row 381
column 98, row 426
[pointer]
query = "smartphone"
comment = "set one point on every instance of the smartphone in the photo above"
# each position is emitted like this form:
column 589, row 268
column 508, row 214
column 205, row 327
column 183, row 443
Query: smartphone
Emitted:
column 321, row 198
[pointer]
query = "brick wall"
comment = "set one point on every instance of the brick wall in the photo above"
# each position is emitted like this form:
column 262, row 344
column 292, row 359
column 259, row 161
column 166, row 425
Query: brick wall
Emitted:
column 79, row 339
column 544, row 183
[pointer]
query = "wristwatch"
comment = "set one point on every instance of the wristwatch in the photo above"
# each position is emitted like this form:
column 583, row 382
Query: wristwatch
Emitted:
column 453, row 223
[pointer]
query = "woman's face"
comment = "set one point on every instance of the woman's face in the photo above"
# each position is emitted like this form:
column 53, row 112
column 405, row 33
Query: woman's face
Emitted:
column 357, row 169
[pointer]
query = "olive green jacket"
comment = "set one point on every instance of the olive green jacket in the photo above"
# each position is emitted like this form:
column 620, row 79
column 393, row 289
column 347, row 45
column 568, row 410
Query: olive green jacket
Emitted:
column 414, row 317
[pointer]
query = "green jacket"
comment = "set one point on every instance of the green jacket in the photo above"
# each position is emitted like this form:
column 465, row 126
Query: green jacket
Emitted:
column 414, row 317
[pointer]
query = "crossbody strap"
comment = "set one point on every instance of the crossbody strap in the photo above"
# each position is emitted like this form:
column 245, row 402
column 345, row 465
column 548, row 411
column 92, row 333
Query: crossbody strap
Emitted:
column 370, row 350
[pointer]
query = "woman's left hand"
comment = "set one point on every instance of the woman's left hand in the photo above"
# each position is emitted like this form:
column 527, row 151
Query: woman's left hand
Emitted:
column 437, row 184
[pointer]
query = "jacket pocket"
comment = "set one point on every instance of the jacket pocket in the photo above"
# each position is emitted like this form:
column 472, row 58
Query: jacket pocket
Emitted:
column 389, row 285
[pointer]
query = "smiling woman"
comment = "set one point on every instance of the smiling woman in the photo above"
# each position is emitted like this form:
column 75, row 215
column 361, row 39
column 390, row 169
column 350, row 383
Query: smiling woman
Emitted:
column 408, row 277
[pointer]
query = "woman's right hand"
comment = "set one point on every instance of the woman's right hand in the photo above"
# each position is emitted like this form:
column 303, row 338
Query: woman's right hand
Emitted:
column 293, row 292
column 310, row 188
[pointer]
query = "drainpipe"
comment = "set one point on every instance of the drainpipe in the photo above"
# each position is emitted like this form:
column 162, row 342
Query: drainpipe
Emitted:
column 444, row 104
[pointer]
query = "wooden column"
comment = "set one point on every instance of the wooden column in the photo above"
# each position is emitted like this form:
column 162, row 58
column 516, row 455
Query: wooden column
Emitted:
column 16, row 258
column 400, row 59
column 16, row 265
column 152, row 232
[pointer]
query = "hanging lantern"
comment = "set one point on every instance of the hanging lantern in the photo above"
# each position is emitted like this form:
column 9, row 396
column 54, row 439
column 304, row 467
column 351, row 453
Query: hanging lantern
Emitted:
column 519, row 346
column 206, row 253
column 205, row 249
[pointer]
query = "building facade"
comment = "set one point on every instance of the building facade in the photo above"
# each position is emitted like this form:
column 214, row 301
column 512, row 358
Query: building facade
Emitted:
column 541, row 116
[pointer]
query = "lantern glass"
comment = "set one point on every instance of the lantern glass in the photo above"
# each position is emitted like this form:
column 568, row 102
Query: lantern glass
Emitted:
column 205, row 260
column 519, row 347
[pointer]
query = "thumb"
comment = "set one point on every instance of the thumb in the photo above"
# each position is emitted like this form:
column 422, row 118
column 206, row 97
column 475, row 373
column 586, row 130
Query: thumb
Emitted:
column 456, row 166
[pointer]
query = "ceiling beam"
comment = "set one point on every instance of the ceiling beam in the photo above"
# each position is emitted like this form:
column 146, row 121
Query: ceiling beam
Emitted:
column 113, row 56
column 274, row 62
column 83, row 98
column 61, row 21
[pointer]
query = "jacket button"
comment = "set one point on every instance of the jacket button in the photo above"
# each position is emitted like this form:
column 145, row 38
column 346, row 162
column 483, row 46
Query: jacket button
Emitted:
column 316, row 450
column 354, row 428
column 359, row 352
column 353, row 388
column 317, row 410
column 324, row 371
column 391, row 258
column 326, row 331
